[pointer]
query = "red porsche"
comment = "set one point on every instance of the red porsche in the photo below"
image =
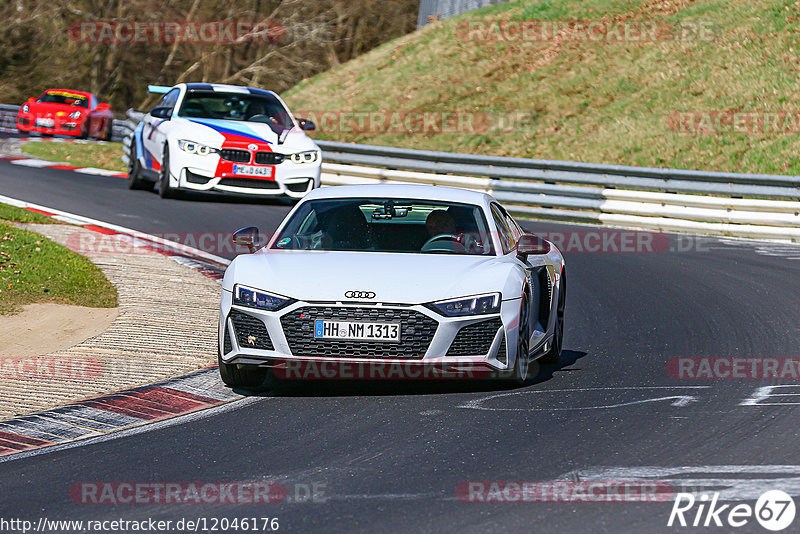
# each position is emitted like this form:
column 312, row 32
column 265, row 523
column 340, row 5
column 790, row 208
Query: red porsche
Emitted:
column 66, row 112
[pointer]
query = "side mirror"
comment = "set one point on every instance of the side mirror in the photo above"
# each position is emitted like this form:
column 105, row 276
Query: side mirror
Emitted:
column 31, row 99
column 102, row 106
column 306, row 125
column 530, row 244
column 161, row 112
column 246, row 237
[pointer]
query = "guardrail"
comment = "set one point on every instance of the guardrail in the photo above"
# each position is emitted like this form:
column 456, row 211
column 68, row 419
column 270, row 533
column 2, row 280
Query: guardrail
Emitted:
column 745, row 205
column 8, row 122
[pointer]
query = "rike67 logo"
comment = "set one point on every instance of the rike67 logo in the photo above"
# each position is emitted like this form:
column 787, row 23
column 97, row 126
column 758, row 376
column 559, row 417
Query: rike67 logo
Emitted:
column 774, row 510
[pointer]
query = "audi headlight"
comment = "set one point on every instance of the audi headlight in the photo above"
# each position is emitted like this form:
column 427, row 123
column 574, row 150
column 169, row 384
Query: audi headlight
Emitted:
column 75, row 115
column 25, row 108
column 254, row 298
column 477, row 305
column 305, row 157
column 196, row 148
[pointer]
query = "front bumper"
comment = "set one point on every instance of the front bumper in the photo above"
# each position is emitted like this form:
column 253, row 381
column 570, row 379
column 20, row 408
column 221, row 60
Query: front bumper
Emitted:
column 211, row 173
column 73, row 127
column 293, row 185
column 285, row 338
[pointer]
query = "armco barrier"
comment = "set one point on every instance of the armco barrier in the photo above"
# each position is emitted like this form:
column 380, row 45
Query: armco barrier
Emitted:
column 744, row 205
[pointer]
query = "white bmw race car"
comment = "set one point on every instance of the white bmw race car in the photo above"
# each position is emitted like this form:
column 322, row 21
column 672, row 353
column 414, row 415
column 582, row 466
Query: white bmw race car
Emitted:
column 391, row 281
column 223, row 138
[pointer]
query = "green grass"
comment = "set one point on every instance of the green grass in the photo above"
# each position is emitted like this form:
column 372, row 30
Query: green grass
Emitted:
column 15, row 214
column 35, row 269
column 602, row 102
column 100, row 155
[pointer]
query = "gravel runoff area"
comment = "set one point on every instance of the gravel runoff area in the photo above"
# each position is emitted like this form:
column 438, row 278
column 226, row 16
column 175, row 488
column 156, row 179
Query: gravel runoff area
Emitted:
column 167, row 325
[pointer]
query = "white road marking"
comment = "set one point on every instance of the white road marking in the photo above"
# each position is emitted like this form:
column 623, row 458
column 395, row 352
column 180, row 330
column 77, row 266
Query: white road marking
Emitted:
column 766, row 392
column 96, row 171
column 40, row 163
column 702, row 478
column 677, row 400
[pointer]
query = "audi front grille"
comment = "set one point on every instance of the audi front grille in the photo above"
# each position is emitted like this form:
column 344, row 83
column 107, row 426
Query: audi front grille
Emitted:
column 416, row 333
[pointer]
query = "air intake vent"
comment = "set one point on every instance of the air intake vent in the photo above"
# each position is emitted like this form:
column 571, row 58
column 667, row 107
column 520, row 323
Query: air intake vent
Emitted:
column 251, row 333
column 475, row 339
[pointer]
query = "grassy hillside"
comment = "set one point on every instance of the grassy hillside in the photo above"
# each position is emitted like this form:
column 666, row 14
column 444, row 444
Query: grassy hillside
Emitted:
column 606, row 101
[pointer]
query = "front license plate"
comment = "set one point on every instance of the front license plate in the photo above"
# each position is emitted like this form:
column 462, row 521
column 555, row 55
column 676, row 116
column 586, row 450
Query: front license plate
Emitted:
column 45, row 123
column 357, row 331
column 252, row 170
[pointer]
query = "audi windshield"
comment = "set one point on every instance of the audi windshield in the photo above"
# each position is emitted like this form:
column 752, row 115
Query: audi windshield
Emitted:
column 387, row 225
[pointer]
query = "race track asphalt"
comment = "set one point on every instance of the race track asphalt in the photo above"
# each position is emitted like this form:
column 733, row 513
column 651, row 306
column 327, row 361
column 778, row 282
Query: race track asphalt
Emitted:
column 389, row 457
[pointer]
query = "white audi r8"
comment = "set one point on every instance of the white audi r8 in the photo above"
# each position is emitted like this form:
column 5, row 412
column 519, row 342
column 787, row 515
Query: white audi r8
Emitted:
column 390, row 281
column 223, row 138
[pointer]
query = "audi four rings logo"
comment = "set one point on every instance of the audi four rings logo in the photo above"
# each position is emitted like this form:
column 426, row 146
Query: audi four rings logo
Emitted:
column 360, row 295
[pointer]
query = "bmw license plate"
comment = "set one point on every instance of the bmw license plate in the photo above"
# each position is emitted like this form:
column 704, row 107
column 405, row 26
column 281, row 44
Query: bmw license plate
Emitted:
column 356, row 331
column 252, row 170
column 45, row 123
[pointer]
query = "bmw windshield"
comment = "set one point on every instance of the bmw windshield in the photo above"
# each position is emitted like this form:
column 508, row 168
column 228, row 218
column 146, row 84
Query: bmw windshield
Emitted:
column 262, row 108
column 387, row 225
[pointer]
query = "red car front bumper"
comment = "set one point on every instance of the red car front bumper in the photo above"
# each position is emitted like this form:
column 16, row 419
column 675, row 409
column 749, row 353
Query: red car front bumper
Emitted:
column 60, row 125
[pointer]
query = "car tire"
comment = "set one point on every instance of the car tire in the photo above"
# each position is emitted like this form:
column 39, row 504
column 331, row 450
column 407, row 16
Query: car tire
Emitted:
column 135, row 180
column 246, row 376
column 518, row 376
column 109, row 130
column 554, row 354
column 164, row 189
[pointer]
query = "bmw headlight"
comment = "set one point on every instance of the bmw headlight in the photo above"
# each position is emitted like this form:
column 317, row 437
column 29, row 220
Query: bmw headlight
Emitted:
column 25, row 108
column 254, row 298
column 477, row 305
column 195, row 148
column 305, row 157
column 75, row 115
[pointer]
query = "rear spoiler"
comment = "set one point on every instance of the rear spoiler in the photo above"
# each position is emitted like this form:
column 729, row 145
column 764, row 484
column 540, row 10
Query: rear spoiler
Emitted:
column 158, row 89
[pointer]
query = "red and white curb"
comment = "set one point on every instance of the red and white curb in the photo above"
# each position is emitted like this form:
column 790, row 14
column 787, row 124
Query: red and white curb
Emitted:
column 43, row 164
column 129, row 409
column 25, row 161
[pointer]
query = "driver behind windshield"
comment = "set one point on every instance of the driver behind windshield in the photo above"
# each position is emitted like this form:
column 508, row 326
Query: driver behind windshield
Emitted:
column 440, row 222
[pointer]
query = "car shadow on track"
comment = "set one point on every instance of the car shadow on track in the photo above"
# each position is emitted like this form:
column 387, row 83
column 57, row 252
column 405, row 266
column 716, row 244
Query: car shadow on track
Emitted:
column 222, row 198
column 351, row 388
